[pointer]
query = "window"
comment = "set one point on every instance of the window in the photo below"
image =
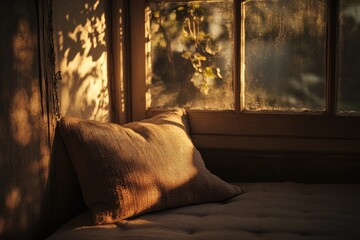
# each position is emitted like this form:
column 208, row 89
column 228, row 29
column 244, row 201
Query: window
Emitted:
column 190, row 51
column 349, row 57
column 254, row 74
column 283, row 55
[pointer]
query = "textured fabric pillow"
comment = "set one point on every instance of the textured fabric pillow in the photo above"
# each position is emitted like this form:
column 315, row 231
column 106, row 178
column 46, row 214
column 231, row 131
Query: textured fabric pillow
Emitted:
column 139, row 167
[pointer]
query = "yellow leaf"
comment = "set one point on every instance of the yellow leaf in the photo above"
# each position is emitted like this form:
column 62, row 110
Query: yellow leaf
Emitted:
column 209, row 73
column 172, row 16
column 199, row 57
column 157, row 14
column 186, row 55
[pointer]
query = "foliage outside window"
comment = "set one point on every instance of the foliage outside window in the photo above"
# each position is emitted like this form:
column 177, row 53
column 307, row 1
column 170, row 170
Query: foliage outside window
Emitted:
column 284, row 55
column 283, row 46
column 191, row 55
column 349, row 57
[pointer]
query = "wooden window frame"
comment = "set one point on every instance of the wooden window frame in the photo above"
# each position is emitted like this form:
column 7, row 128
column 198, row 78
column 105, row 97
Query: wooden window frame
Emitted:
column 236, row 129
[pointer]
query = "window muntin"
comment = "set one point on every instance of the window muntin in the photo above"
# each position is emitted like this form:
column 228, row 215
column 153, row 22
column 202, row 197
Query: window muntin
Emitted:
column 189, row 53
column 230, row 128
column 276, row 34
column 284, row 52
column 349, row 57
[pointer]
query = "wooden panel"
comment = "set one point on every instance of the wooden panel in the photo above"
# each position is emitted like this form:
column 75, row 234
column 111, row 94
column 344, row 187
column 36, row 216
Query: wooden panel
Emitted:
column 137, row 61
column 119, row 61
column 249, row 166
column 254, row 143
column 271, row 124
column 287, row 125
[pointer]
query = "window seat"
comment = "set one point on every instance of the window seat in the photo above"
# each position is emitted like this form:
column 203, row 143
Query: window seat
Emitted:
column 278, row 211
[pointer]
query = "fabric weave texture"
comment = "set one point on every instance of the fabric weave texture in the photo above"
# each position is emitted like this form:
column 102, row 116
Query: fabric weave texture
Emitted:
column 140, row 167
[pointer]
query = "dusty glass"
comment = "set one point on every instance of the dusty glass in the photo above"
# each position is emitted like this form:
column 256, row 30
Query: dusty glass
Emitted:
column 283, row 55
column 349, row 57
column 189, row 53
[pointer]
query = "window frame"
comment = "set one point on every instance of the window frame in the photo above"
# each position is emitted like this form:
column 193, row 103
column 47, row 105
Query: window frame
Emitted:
column 243, row 130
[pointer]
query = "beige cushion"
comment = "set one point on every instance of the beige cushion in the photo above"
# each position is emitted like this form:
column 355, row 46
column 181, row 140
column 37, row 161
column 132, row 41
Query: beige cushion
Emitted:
column 267, row 211
column 140, row 167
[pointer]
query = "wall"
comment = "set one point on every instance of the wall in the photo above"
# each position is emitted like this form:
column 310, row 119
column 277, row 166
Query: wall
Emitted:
column 24, row 124
column 81, row 41
column 36, row 193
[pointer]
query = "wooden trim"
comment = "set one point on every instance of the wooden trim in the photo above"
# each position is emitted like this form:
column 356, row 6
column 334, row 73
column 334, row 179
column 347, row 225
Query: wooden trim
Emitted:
column 331, row 56
column 335, row 57
column 241, row 66
column 271, row 125
column 238, row 56
column 137, row 59
column 119, row 61
column 113, row 60
column 283, row 125
column 126, row 62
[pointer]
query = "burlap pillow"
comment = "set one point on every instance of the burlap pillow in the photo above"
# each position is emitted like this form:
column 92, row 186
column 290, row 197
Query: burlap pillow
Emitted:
column 140, row 167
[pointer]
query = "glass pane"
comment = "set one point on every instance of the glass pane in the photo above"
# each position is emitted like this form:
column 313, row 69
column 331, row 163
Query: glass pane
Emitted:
column 349, row 57
column 283, row 58
column 190, row 55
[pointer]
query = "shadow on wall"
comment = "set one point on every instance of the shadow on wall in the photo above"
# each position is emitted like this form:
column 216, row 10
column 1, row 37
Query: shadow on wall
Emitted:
column 24, row 138
column 81, row 49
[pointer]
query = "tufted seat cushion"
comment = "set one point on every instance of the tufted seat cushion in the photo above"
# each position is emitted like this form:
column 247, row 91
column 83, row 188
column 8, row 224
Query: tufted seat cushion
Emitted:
column 266, row 211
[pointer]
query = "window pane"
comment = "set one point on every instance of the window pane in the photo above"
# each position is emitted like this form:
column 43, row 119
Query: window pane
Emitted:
column 283, row 59
column 349, row 57
column 190, row 55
